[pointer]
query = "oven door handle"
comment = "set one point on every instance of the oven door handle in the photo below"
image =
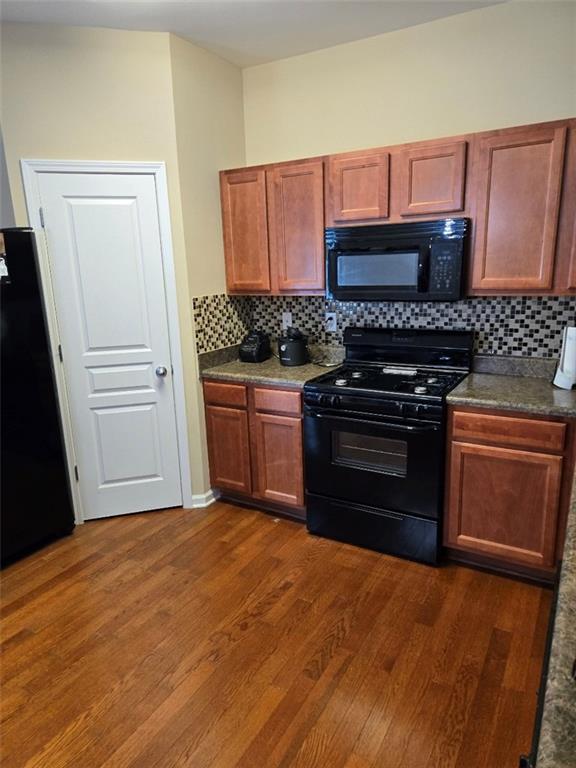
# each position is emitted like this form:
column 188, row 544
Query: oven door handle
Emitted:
column 374, row 422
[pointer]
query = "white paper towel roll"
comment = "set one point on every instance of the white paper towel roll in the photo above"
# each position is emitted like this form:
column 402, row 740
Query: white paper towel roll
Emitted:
column 566, row 372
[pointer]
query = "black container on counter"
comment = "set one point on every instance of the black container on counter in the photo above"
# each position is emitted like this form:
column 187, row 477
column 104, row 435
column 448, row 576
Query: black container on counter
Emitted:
column 293, row 348
column 255, row 347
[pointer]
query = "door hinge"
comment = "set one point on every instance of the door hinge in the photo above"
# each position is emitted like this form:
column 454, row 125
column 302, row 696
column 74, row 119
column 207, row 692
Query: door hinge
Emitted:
column 60, row 355
column 41, row 210
column 76, row 475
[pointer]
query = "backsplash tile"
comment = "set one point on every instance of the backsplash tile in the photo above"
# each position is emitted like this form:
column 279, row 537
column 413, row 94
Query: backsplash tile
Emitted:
column 520, row 326
column 307, row 314
column 220, row 320
column 503, row 325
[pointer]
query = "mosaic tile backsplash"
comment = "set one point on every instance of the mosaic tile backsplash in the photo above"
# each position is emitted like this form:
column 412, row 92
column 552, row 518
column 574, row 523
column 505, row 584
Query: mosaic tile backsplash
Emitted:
column 512, row 325
column 220, row 320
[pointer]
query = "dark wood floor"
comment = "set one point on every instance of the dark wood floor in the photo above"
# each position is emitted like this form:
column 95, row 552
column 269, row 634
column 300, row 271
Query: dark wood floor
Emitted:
column 223, row 637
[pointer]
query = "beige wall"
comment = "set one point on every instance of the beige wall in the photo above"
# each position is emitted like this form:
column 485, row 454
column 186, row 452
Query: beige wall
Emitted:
column 209, row 124
column 494, row 67
column 210, row 135
column 98, row 94
column 209, row 121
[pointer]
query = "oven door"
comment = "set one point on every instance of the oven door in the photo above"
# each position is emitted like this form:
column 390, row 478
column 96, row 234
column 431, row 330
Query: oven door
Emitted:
column 374, row 461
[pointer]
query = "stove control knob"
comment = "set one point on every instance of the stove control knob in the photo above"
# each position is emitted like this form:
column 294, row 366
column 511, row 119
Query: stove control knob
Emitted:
column 324, row 400
column 335, row 401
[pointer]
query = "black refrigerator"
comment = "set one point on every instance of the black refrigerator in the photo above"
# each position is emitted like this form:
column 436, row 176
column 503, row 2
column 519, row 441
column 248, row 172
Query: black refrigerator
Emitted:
column 36, row 505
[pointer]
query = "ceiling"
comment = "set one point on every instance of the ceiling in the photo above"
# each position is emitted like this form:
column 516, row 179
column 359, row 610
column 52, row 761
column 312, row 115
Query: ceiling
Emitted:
column 245, row 32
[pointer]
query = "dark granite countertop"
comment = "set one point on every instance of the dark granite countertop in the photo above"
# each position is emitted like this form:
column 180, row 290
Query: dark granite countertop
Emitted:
column 557, row 746
column 514, row 393
column 268, row 372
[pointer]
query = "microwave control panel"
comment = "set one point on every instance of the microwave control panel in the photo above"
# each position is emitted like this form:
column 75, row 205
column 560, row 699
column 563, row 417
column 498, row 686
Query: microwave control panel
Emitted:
column 445, row 268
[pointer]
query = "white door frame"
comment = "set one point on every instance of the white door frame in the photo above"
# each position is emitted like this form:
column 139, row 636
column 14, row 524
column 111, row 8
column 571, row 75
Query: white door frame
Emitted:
column 30, row 172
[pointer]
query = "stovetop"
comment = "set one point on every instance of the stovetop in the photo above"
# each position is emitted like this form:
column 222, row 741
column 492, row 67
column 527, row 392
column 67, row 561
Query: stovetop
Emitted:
column 374, row 379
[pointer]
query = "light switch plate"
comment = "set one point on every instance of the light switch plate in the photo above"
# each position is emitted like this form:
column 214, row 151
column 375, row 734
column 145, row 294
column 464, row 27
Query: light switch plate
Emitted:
column 286, row 320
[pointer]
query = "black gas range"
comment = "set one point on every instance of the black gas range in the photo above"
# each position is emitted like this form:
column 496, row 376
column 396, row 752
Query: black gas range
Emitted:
column 374, row 436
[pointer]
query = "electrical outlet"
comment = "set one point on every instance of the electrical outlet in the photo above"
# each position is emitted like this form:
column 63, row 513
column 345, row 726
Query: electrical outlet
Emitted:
column 286, row 320
column 330, row 322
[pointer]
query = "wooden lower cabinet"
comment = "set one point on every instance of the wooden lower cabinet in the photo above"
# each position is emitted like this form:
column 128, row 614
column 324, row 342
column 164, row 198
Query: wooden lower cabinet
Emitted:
column 505, row 494
column 279, row 458
column 255, row 443
column 504, row 503
column 229, row 448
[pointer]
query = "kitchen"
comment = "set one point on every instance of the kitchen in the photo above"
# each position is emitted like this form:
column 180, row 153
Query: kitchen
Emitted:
column 504, row 426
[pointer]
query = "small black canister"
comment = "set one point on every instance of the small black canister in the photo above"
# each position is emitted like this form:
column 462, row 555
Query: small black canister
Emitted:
column 293, row 348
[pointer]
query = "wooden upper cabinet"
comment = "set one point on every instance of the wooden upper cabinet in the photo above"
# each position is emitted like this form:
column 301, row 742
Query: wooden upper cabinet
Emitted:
column 503, row 503
column 358, row 188
column 431, row 178
column 244, row 221
column 518, row 186
column 565, row 272
column 296, row 226
column 519, row 180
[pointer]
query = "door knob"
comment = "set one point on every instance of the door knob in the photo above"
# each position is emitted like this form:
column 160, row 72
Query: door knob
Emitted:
column 161, row 371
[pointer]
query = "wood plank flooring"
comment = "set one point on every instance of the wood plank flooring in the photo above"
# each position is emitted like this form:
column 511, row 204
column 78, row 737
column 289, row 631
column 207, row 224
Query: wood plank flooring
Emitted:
column 223, row 637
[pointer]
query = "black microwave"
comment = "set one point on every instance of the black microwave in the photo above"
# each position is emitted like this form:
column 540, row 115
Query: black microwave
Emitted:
column 415, row 261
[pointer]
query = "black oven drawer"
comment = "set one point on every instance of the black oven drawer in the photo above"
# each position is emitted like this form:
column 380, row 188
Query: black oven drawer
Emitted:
column 389, row 532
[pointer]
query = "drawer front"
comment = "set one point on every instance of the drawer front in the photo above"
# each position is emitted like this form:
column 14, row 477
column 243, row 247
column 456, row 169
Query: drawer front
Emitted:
column 221, row 393
column 278, row 401
column 549, row 436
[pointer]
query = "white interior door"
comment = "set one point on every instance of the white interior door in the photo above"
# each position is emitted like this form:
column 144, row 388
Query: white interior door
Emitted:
column 103, row 239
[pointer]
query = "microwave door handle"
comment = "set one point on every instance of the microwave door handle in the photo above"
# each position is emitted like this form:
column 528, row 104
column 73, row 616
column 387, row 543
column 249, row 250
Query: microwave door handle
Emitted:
column 424, row 266
column 373, row 423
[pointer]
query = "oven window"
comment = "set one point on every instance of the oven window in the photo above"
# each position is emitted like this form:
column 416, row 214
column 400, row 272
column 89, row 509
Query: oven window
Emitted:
column 396, row 268
column 375, row 454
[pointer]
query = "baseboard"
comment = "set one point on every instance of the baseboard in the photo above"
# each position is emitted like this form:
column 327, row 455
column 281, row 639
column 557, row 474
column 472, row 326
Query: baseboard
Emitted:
column 279, row 510
column 200, row 500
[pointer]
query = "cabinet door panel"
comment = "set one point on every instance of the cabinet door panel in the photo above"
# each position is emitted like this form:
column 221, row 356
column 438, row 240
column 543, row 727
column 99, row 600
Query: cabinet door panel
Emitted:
column 565, row 281
column 244, row 220
column 228, row 448
column 279, row 458
column 432, row 179
column 518, row 197
column 296, row 225
column 358, row 188
column 571, row 282
column 504, row 503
